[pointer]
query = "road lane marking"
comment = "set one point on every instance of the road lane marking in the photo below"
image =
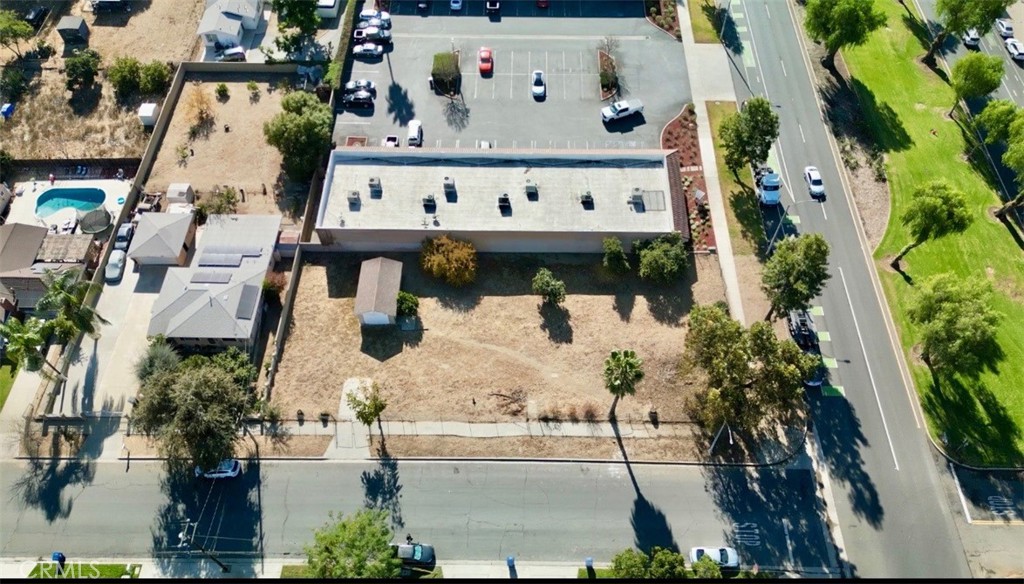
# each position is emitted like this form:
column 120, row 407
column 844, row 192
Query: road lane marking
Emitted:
column 818, row 310
column 833, row 391
column 768, row 11
column 867, row 363
column 512, row 68
column 785, row 528
column 824, row 337
column 830, row 362
column 794, row 219
column 960, row 492
column 783, row 64
column 802, row 137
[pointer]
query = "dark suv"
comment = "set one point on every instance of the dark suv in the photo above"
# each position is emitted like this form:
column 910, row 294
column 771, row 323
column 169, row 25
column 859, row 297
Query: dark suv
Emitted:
column 37, row 16
column 801, row 326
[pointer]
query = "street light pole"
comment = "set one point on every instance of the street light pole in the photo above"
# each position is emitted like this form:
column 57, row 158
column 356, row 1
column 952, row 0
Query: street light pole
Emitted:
column 785, row 213
column 188, row 541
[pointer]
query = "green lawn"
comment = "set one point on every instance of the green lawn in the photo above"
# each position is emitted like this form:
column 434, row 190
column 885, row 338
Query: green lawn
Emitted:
column 702, row 20
column 84, row 570
column 746, row 227
column 598, row 573
column 7, row 372
column 903, row 101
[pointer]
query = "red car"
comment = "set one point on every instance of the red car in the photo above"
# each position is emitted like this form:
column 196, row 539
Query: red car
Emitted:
column 542, row 3
column 485, row 59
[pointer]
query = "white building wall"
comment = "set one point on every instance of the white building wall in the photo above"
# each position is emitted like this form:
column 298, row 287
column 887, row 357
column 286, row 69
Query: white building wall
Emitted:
column 374, row 319
column 484, row 241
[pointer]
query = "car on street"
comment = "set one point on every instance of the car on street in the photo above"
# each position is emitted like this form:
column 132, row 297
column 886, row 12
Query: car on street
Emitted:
column 360, row 85
column 124, row 236
column 817, row 377
column 485, row 60
column 415, row 555
column 455, row 4
column 227, row 469
column 801, row 327
column 971, row 38
column 115, row 266
column 725, row 557
column 367, row 50
column 37, row 16
column 1004, row 27
column 1015, row 48
column 360, row 98
column 538, row 86
column 815, row 186
column 372, row 33
column 769, row 186
column 391, row 141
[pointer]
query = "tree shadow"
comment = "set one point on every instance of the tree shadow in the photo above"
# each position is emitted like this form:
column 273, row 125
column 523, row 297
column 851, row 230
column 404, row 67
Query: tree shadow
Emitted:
column 383, row 489
column 748, row 213
column 225, row 516
column 44, row 481
column 889, row 131
column 556, row 322
column 456, row 113
column 400, row 107
column 623, row 304
column 975, row 426
column 921, row 32
column 85, row 100
column 722, row 20
column 650, row 525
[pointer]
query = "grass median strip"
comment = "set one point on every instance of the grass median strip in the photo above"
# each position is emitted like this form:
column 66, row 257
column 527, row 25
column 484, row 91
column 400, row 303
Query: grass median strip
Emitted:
column 904, row 104
column 746, row 227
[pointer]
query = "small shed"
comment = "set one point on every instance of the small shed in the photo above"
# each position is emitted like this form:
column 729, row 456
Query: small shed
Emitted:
column 73, row 30
column 377, row 293
column 180, row 193
column 163, row 239
column 148, row 113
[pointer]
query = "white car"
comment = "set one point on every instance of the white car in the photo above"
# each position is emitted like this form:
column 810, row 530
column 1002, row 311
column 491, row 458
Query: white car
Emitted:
column 537, row 86
column 1015, row 48
column 370, row 14
column 815, row 186
column 367, row 50
column 972, row 38
column 115, row 266
column 1004, row 27
column 360, row 85
column 227, row 469
column 725, row 557
column 456, row 4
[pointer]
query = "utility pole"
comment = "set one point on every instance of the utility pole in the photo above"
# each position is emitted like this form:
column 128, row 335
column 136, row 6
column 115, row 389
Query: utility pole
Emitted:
column 187, row 541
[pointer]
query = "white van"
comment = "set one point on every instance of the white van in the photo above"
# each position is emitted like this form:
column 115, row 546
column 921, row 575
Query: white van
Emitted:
column 232, row 54
column 415, row 133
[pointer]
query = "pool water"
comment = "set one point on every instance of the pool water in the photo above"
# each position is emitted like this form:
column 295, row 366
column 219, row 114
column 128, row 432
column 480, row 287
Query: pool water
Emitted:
column 55, row 199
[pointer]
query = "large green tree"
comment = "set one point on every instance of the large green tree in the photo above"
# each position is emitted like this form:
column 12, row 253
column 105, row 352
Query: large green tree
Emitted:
column 125, row 74
column 748, row 134
column 297, row 22
column 936, row 209
column 976, row 75
column 357, row 546
column 718, row 345
column 660, row 564
column 956, row 322
column 25, row 341
column 302, row 133
column 195, row 416
column 80, row 69
column 706, row 569
column 548, row 287
column 841, row 23
column 959, row 16
column 795, row 273
column 65, row 298
column 622, row 371
column 662, row 259
column 14, row 30
column 996, row 118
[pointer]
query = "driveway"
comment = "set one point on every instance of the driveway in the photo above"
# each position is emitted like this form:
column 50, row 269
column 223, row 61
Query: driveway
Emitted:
column 500, row 108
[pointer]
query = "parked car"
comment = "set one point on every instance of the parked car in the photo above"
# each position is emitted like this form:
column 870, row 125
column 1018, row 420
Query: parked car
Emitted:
column 391, row 141
column 485, row 60
column 371, row 13
column 232, row 54
column 455, row 4
column 769, row 186
column 818, row 376
column 360, row 85
column 815, row 186
column 1004, row 27
column 415, row 555
column 1015, row 48
column 124, row 236
column 379, row 22
column 367, row 50
column 621, row 109
column 37, row 16
column 492, row 7
column 115, row 266
column 415, row 137
column 227, row 469
column 372, row 33
column 801, row 327
column 357, row 99
column 538, row 86
column 971, row 38
column 725, row 557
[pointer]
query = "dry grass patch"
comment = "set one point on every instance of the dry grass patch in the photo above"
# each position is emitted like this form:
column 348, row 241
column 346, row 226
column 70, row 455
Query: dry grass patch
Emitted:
column 682, row 448
column 230, row 149
column 488, row 352
column 281, row 446
column 161, row 30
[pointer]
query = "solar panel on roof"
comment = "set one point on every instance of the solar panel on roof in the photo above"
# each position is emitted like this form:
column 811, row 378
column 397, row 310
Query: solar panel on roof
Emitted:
column 247, row 302
column 220, row 260
column 243, row 250
column 211, row 278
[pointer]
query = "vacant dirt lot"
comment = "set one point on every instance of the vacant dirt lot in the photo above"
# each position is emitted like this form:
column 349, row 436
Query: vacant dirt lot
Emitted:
column 480, row 346
column 232, row 151
column 153, row 30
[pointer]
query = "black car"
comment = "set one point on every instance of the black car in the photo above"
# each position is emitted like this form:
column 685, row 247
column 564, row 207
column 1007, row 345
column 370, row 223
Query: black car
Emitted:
column 358, row 99
column 37, row 16
column 801, row 326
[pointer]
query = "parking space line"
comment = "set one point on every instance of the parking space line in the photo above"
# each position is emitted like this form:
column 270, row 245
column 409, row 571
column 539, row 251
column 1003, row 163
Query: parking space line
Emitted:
column 833, row 391
column 565, row 86
column 512, row 69
column 830, row 362
column 824, row 336
column 818, row 311
column 794, row 219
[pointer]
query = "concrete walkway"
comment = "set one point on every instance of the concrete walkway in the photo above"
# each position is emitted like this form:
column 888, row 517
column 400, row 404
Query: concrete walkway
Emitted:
column 708, row 66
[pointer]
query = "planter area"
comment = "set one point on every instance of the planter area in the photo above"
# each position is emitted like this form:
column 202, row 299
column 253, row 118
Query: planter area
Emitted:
column 355, row 140
column 681, row 135
column 662, row 14
column 609, row 77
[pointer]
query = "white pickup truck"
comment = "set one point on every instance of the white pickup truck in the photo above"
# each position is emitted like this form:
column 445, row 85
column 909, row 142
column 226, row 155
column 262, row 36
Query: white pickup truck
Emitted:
column 621, row 109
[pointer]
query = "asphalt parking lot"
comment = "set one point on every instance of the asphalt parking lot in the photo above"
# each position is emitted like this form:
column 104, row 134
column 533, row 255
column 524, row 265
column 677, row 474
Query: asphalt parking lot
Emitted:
column 562, row 41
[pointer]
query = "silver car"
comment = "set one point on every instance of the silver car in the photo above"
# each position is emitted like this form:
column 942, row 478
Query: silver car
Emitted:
column 538, row 86
column 227, row 469
column 1004, row 27
column 367, row 50
column 815, row 186
column 725, row 557
column 115, row 266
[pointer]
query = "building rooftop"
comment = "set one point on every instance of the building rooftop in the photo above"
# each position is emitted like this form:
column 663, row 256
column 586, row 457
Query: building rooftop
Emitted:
column 160, row 235
column 629, row 191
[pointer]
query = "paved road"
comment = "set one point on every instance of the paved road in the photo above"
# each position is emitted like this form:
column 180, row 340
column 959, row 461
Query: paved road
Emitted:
column 894, row 516
column 472, row 511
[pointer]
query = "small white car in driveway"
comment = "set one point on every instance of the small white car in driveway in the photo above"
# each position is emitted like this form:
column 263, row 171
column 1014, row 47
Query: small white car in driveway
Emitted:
column 115, row 266
column 227, row 469
column 725, row 557
column 538, row 86
column 815, row 186
column 367, row 50
column 1004, row 27
column 1015, row 48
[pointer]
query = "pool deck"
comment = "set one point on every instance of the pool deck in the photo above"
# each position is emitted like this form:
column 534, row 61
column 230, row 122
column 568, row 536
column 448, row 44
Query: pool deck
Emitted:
column 23, row 207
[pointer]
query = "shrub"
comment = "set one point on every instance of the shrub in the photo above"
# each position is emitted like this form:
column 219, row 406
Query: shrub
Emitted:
column 609, row 79
column 158, row 357
column 273, row 285
column 662, row 259
column 13, row 84
column 252, row 87
column 81, row 68
column 449, row 259
column 615, row 259
column 333, row 76
column 408, row 304
column 155, row 77
column 125, row 75
column 222, row 201
column 222, row 91
column 548, row 287
column 446, row 73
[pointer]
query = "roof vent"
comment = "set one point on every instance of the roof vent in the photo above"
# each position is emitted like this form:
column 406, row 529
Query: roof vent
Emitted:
column 586, row 198
column 449, row 184
column 531, row 190
column 637, row 196
column 353, row 196
column 504, row 202
column 374, row 185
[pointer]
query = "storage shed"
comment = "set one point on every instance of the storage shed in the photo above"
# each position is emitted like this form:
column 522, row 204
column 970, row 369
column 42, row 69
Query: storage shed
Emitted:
column 73, row 30
column 180, row 193
column 163, row 239
column 377, row 293
column 148, row 113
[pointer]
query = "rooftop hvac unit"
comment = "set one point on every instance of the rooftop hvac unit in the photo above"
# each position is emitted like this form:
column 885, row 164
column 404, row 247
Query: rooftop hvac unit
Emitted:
column 374, row 183
column 503, row 201
column 531, row 190
column 586, row 198
column 353, row 196
column 449, row 184
column 637, row 196
column 428, row 200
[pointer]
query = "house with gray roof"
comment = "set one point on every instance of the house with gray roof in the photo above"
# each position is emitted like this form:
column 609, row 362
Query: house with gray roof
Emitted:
column 217, row 301
column 377, row 294
column 225, row 21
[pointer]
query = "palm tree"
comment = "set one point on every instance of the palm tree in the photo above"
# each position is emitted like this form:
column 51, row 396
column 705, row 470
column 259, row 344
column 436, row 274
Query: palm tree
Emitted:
column 622, row 371
column 65, row 296
column 936, row 209
column 25, row 343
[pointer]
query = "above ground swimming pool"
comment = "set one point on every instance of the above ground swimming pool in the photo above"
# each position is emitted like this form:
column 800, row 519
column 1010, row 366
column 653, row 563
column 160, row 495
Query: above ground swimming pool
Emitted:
column 55, row 199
